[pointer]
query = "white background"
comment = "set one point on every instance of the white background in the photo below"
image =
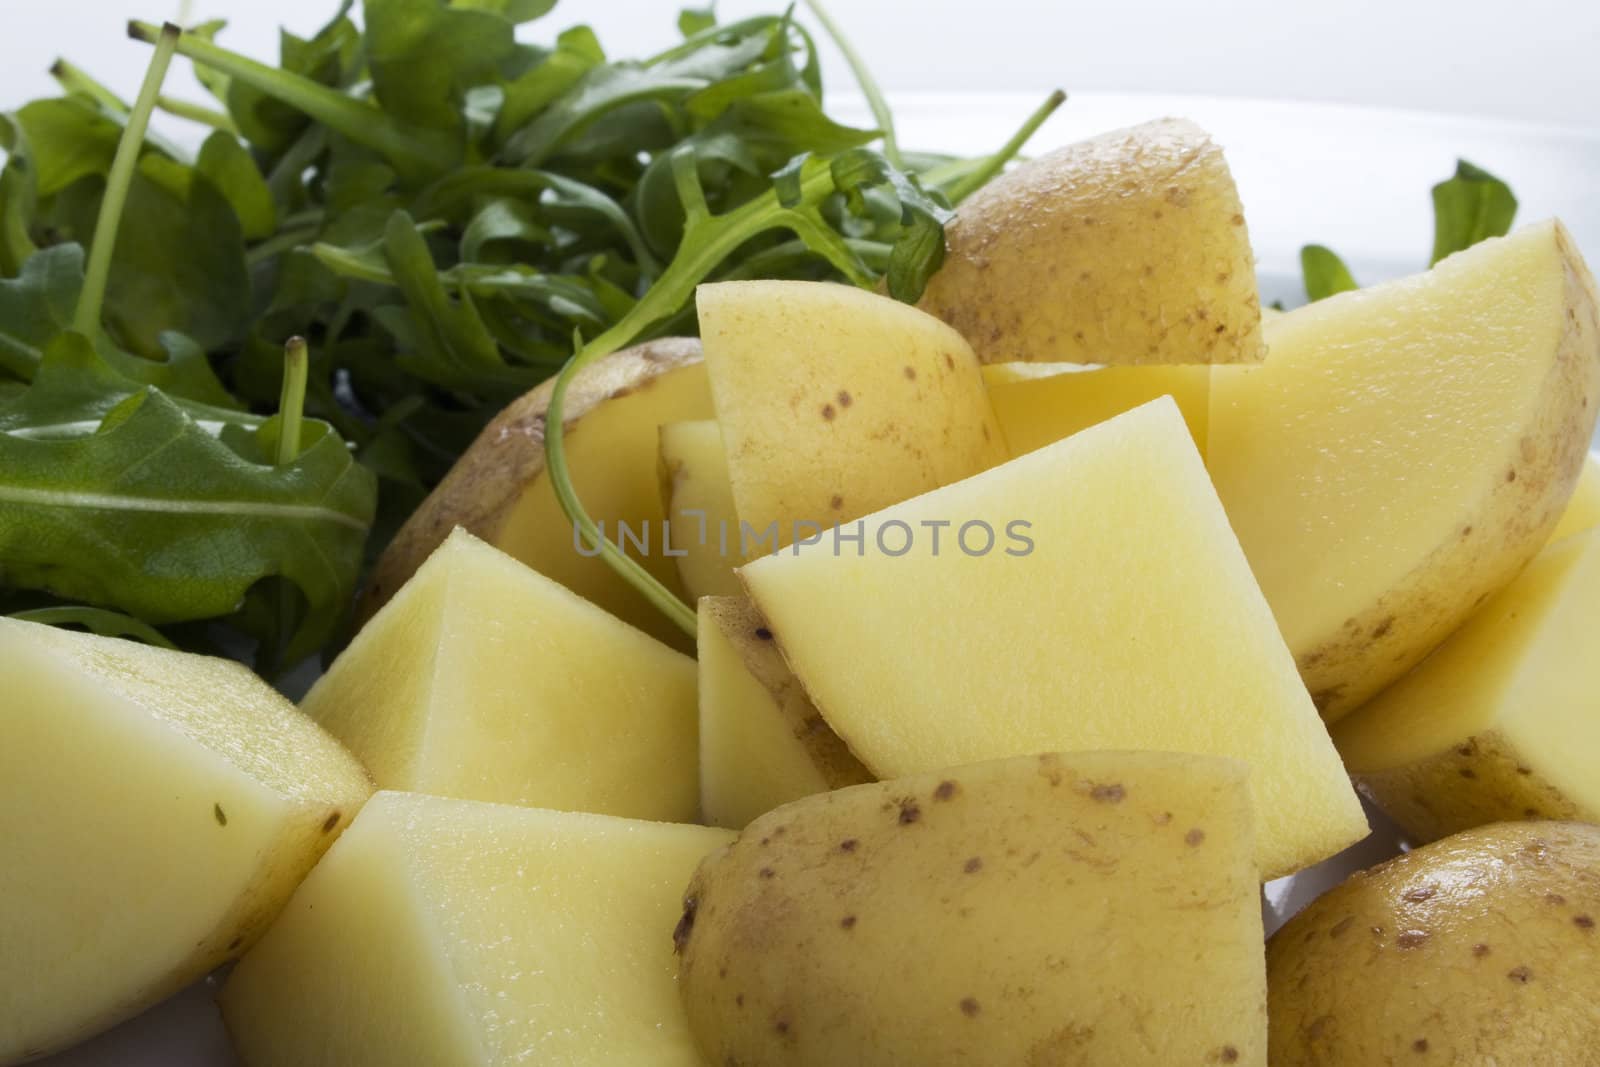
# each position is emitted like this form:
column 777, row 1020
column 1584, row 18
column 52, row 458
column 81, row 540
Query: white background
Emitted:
column 1529, row 60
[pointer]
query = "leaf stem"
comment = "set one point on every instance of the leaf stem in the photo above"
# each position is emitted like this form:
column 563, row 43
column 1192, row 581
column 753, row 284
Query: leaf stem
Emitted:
column 869, row 85
column 978, row 177
column 705, row 244
column 205, row 116
column 86, row 320
column 97, row 620
column 75, row 79
column 292, row 400
column 408, row 148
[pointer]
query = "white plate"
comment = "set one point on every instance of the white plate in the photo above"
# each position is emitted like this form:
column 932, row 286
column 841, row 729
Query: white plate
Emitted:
column 1354, row 179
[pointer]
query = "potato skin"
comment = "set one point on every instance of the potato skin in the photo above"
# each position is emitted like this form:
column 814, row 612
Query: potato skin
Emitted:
column 1088, row 908
column 1478, row 949
column 507, row 456
column 1130, row 247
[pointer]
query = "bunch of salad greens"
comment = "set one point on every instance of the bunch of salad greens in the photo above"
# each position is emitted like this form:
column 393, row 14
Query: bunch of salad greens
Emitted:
column 447, row 215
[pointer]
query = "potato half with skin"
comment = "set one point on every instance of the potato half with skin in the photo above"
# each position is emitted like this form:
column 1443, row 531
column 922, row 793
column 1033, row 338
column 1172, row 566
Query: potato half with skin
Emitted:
column 1096, row 908
column 1130, row 247
column 1478, row 949
column 1583, row 509
column 1500, row 722
column 762, row 742
column 498, row 491
column 1406, row 450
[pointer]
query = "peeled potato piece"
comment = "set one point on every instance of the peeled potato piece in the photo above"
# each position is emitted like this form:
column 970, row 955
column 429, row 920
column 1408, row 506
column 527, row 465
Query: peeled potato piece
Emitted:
column 448, row 932
column 1129, row 247
column 485, row 680
column 699, row 505
column 1095, row 908
column 156, row 810
column 498, row 491
column 1119, row 614
column 1039, row 403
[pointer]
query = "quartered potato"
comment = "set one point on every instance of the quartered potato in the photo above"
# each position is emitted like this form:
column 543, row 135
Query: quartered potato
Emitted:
column 698, row 499
column 1129, row 247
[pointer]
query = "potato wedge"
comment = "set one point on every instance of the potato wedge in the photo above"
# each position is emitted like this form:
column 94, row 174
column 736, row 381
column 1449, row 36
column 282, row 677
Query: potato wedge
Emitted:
column 699, row 505
column 1088, row 595
column 483, row 679
column 1499, row 722
column 1478, row 949
column 157, row 809
column 762, row 742
column 835, row 402
column 1130, row 247
column 497, row 490
column 1406, row 450
column 1096, row 908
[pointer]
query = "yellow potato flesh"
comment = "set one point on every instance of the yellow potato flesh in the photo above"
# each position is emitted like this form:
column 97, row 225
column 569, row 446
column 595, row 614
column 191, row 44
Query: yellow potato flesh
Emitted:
column 1406, row 449
column 1130, row 247
column 1038, row 403
column 485, row 680
column 835, row 402
column 762, row 743
column 1499, row 723
column 612, row 453
column 699, row 505
column 452, row 932
column 1133, row 623
column 156, row 810
column 1094, row 908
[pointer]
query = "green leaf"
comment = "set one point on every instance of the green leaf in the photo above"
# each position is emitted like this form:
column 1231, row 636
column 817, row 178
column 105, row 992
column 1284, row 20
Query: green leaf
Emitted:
column 97, row 621
column 37, row 305
column 19, row 198
column 228, row 166
column 516, row 11
column 1325, row 273
column 423, row 55
column 69, row 138
column 154, row 516
column 693, row 20
column 576, row 51
column 1471, row 206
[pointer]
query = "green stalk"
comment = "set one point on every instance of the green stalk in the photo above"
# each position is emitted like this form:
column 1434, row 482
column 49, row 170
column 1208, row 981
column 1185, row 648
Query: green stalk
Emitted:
column 706, row 244
column 292, row 399
column 869, row 85
column 978, row 177
column 87, row 318
column 408, row 148
column 205, row 116
column 75, row 79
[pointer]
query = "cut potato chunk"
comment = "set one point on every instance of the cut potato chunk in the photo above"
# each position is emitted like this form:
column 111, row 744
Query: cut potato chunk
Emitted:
column 1480, row 949
column 699, row 505
column 1500, row 722
column 762, row 743
column 1127, row 248
column 835, row 402
column 1038, row 910
column 456, row 933
column 1038, row 403
column 485, row 680
column 156, row 811
column 1113, row 609
column 1583, row 508
column 1406, row 450
column 498, row 490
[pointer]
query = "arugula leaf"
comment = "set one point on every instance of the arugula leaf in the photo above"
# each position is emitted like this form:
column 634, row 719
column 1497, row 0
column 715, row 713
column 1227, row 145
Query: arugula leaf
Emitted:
column 693, row 20
column 152, row 515
column 1470, row 206
column 1325, row 272
column 225, row 163
column 423, row 55
column 96, row 621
